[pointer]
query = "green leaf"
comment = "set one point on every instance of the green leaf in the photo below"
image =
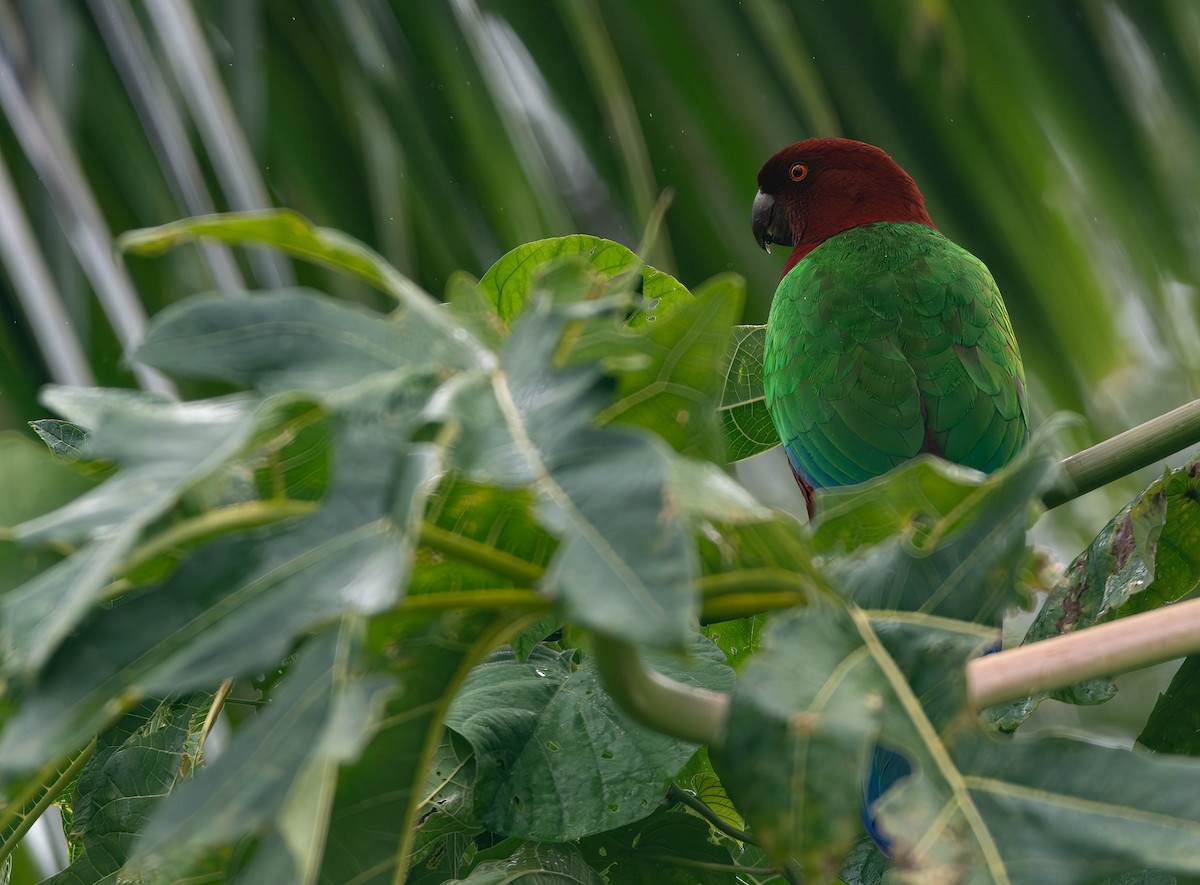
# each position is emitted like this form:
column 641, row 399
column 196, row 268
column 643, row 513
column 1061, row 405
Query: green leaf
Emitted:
column 669, row 848
column 508, row 284
column 555, row 758
column 237, row 606
column 278, row 774
column 294, row 461
column 447, row 819
column 1174, row 723
column 625, row 564
column 293, row 340
column 672, row 388
column 28, row 798
column 976, row 809
column 402, row 797
column 535, row 864
column 1050, row 819
column 1146, row 556
column 285, row 230
column 808, row 710
column 699, row 779
column 752, row 566
column 1142, row 877
column 502, row 525
column 935, row 538
column 474, row 309
column 864, row 865
column 35, row 483
column 137, row 763
column 66, row 440
column 164, row 449
column 745, row 419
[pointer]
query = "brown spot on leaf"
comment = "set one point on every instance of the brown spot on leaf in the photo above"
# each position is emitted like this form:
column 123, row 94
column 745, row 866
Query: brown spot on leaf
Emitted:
column 1071, row 605
column 1122, row 543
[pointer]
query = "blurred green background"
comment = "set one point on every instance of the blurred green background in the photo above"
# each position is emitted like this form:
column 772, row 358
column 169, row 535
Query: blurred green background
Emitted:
column 1060, row 142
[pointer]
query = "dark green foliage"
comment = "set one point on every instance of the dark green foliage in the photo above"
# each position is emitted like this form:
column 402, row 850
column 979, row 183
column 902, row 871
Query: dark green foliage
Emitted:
column 397, row 496
column 1174, row 725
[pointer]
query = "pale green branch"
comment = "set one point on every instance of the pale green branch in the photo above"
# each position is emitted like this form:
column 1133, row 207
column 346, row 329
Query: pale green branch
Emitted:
column 1126, row 452
column 1131, row 643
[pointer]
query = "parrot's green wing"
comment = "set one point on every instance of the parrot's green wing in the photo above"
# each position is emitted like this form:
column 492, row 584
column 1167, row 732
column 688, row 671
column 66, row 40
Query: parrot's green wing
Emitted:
column 886, row 341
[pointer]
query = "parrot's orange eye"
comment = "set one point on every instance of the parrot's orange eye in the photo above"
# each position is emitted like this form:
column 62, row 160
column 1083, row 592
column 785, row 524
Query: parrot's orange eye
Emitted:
column 798, row 171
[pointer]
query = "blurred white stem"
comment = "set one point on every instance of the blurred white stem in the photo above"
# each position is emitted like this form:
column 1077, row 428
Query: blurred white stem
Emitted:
column 188, row 53
column 147, row 89
column 35, row 123
column 37, row 292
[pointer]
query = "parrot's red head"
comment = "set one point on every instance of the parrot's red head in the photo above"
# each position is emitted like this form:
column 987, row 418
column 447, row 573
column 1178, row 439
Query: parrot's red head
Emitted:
column 815, row 189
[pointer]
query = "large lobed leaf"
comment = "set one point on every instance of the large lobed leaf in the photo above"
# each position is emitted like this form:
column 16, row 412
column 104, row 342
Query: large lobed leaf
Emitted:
column 807, row 712
column 276, row 779
column 625, row 563
column 165, row 450
column 934, row 537
column 976, row 809
column 555, row 758
column 508, row 283
column 137, row 763
column 346, row 439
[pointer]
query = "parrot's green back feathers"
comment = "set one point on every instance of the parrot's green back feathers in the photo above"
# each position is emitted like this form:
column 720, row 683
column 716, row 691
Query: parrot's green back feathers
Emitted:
column 886, row 341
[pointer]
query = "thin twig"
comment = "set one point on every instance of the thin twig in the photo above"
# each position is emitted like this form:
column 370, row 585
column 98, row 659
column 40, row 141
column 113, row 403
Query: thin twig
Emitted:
column 47, row 799
column 210, row 720
column 1126, row 452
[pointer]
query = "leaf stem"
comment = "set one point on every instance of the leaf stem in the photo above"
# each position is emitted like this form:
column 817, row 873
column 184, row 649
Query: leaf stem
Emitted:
column 480, row 554
column 47, row 798
column 246, row 515
column 664, row 704
column 214, row 710
column 769, row 580
column 520, row 598
column 744, row 605
column 1126, row 452
column 675, row 793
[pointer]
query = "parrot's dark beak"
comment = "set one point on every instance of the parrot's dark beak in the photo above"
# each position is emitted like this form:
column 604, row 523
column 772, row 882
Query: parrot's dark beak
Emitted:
column 769, row 227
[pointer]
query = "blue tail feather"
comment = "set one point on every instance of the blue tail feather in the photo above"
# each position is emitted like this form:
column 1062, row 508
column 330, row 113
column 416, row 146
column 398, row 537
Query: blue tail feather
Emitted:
column 887, row 769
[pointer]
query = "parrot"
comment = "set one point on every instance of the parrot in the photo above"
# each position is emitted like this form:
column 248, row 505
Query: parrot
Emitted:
column 884, row 340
